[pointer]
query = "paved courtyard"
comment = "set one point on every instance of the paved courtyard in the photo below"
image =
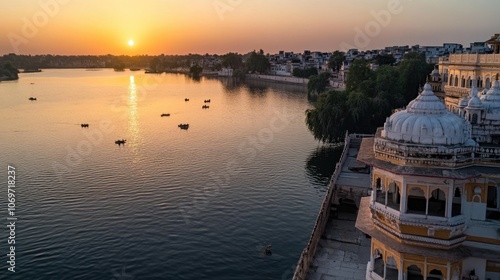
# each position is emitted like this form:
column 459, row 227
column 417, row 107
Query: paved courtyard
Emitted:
column 343, row 251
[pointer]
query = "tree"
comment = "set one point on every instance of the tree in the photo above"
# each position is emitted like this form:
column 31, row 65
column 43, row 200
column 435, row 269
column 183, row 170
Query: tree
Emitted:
column 385, row 59
column 318, row 83
column 336, row 60
column 413, row 71
column 305, row 73
column 359, row 71
column 195, row 70
column 232, row 60
column 258, row 62
column 8, row 72
column 327, row 120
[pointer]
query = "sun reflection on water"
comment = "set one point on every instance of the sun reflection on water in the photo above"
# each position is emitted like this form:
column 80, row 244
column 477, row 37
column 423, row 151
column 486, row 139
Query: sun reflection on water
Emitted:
column 133, row 124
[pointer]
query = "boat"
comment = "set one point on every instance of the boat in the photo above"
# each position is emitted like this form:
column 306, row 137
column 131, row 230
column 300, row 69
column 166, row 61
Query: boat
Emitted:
column 120, row 142
column 32, row 99
column 186, row 99
column 183, row 126
column 207, row 101
column 165, row 115
column 205, row 107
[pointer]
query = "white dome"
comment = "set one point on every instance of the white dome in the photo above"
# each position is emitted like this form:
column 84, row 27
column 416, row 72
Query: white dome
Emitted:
column 492, row 98
column 474, row 102
column 426, row 121
column 462, row 103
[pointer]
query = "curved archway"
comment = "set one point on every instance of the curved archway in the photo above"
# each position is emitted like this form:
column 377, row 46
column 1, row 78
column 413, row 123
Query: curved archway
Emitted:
column 435, row 275
column 378, row 263
column 451, row 80
column 416, row 201
column 437, row 203
column 488, row 82
column 456, row 81
column 413, row 272
column 456, row 208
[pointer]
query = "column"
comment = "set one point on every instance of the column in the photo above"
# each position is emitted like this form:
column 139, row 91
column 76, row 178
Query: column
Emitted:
column 449, row 202
column 401, row 270
column 402, row 205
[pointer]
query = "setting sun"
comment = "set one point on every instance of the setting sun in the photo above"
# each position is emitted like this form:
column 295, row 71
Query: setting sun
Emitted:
column 131, row 43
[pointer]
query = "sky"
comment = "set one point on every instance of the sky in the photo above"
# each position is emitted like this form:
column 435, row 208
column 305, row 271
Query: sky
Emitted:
column 99, row 27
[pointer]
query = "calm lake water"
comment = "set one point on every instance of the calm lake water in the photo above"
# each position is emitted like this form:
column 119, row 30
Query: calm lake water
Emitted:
column 170, row 203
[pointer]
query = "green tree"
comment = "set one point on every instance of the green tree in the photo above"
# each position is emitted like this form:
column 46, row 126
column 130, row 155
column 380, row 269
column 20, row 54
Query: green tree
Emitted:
column 385, row 59
column 413, row 71
column 258, row 62
column 9, row 72
column 195, row 70
column 327, row 120
column 359, row 71
column 336, row 60
column 318, row 83
column 305, row 73
column 232, row 60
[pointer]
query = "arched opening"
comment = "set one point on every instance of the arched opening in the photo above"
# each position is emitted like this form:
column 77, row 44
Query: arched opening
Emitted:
column 391, row 269
column 456, row 81
column 437, row 203
column 381, row 193
column 469, row 83
column 473, row 119
column 378, row 263
column 479, row 82
column 463, row 82
column 456, row 208
column 451, row 80
column 488, row 82
column 435, row 275
column 493, row 202
column 393, row 196
column 416, row 201
column 414, row 273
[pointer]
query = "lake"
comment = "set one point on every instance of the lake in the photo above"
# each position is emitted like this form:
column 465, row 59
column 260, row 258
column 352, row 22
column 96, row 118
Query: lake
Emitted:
column 170, row 203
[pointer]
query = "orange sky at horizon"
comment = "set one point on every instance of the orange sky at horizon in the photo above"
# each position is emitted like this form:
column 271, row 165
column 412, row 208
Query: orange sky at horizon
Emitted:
column 72, row 27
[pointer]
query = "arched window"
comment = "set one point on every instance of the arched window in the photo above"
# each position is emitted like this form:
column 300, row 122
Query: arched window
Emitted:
column 469, row 83
column 463, row 82
column 456, row 208
column 437, row 203
column 451, row 80
column 416, row 201
column 473, row 119
column 488, row 82
column 378, row 263
column 456, row 81
column 414, row 272
column 435, row 275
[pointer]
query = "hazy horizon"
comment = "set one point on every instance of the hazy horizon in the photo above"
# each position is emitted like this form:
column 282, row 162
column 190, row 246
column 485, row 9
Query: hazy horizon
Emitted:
column 77, row 27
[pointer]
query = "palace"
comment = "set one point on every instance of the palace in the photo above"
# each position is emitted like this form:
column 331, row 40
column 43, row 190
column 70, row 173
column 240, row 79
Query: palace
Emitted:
column 434, row 209
column 461, row 71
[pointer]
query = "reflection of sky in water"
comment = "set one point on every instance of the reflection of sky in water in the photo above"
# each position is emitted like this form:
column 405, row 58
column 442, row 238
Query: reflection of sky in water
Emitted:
column 133, row 126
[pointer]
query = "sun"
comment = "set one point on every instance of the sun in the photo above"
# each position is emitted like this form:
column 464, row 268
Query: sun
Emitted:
column 131, row 43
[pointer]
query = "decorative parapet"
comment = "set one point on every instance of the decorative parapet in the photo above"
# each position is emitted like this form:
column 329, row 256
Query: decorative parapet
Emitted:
column 421, row 239
column 440, row 156
column 474, row 59
column 418, row 220
column 458, row 92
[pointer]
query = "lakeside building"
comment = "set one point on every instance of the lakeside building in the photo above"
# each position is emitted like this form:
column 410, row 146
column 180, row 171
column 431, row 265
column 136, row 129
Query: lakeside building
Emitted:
column 434, row 210
column 460, row 72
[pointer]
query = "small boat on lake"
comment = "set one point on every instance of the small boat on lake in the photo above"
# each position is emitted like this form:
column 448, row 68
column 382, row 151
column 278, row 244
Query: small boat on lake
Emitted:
column 186, row 99
column 32, row 99
column 183, row 126
column 206, row 100
column 120, row 142
column 165, row 115
column 205, row 107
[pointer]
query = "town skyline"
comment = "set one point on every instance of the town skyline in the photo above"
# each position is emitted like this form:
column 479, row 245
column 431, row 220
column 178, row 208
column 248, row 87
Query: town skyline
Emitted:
column 75, row 27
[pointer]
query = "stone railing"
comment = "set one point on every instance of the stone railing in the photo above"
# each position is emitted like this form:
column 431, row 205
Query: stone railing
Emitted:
column 458, row 92
column 319, row 227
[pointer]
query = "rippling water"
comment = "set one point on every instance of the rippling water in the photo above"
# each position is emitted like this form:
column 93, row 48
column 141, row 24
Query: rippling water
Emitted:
column 170, row 203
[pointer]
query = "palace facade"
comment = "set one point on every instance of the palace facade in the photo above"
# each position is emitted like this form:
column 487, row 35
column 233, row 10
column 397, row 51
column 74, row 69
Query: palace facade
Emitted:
column 434, row 209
